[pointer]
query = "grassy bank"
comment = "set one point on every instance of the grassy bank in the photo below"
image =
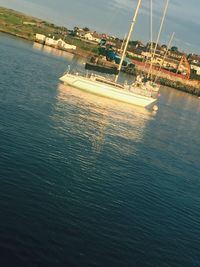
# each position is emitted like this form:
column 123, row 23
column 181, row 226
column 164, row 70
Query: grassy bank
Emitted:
column 26, row 27
column 20, row 25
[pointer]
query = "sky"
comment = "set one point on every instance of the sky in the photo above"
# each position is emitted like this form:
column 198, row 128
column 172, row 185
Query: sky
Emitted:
column 114, row 17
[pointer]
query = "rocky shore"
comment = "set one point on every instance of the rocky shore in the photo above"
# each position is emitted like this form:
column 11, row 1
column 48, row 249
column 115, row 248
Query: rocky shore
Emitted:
column 175, row 81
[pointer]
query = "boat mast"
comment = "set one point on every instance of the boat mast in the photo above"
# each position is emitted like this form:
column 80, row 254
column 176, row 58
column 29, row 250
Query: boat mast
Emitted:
column 121, row 48
column 163, row 60
column 158, row 37
column 150, row 46
column 128, row 38
column 151, row 31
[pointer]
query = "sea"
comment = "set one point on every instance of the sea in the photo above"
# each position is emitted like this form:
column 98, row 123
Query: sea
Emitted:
column 87, row 181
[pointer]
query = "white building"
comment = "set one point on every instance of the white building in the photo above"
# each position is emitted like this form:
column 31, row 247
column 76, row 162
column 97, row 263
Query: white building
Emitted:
column 54, row 43
column 90, row 37
column 50, row 42
column 196, row 68
column 61, row 44
column 68, row 46
column 29, row 23
column 40, row 38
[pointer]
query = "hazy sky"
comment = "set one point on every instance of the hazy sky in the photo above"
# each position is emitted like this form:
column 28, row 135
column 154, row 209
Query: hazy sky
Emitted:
column 114, row 16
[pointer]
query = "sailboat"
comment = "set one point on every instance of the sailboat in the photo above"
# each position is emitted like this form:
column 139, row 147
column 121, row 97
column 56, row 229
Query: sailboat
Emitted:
column 141, row 93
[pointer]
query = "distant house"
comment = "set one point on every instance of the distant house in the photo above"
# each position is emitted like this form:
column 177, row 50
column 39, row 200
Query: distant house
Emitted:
column 59, row 44
column 62, row 45
column 194, row 59
column 168, row 63
column 137, row 44
column 175, row 54
column 40, row 38
column 71, row 32
column 196, row 68
column 29, row 23
column 134, row 52
column 79, row 32
column 111, row 44
column 50, row 42
column 97, row 37
column 68, row 47
column 88, row 36
column 54, row 43
column 92, row 37
column 164, row 47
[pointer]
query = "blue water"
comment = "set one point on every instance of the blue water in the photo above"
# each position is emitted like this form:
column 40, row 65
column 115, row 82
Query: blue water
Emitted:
column 85, row 181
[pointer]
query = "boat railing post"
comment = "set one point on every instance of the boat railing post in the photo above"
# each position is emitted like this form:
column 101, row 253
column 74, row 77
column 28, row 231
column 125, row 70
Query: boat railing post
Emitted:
column 68, row 69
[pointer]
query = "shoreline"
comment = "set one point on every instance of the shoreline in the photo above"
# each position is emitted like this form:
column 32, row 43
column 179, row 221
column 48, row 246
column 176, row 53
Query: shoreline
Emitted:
column 173, row 81
column 78, row 51
column 16, row 35
column 25, row 27
column 187, row 86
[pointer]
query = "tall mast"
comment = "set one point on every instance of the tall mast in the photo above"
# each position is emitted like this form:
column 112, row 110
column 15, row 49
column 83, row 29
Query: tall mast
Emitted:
column 128, row 38
column 161, row 25
column 151, row 31
column 169, row 44
column 121, row 48
column 151, row 35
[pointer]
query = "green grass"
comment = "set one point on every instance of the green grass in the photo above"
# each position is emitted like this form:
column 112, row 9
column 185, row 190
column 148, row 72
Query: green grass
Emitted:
column 12, row 19
column 12, row 22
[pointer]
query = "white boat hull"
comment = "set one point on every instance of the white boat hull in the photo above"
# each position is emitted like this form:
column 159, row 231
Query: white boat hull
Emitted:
column 106, row 90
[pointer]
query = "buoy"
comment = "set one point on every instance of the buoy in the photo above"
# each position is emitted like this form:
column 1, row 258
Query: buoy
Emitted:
column 155, row 108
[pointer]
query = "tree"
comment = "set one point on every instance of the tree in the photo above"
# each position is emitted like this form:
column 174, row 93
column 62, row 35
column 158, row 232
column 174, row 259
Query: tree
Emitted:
column 136, row 43
column 76, row 29
column 86, row 29
column 164, row 46
column 174, row 49
column 148, row 45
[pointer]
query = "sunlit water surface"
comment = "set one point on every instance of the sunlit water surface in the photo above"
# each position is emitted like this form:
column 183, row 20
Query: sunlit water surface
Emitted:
column 86, row 181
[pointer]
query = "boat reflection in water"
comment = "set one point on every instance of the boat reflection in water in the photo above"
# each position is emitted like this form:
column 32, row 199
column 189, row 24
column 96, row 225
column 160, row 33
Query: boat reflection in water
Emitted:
column 101, row 121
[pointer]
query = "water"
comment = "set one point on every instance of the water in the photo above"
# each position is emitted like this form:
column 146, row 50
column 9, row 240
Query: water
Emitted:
column 85, row 181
